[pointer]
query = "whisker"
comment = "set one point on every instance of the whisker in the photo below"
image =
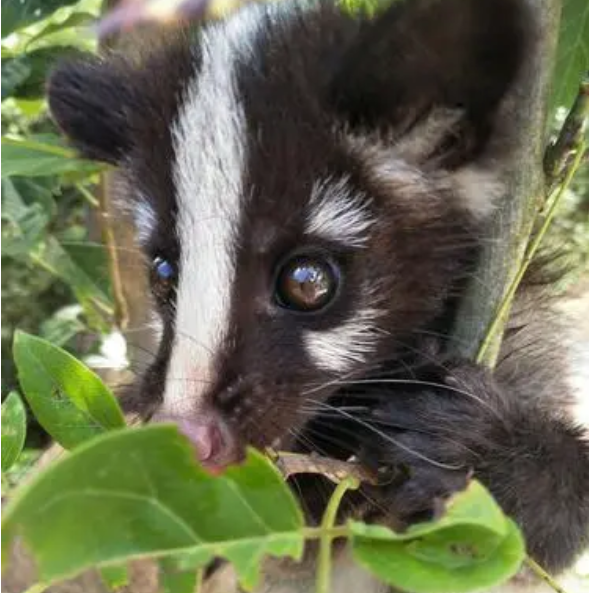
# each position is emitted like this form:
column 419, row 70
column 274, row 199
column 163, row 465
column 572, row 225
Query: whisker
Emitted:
column 392, row 440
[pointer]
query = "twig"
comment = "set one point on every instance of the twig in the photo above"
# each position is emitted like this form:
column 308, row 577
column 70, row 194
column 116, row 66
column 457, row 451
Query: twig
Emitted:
column 121, row 310
column 327, row 523
column 543, row 575
column 560, row 152
column 88, row 195
column 503, row 310
column 335, row 470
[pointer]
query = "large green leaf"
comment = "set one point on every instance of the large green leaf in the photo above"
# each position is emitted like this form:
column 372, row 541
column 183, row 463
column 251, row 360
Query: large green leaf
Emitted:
column 473, row 546
column 67, row 398
column 14, row 428
column 20, row 13
column 40, row 155
column 139, row 492
column 572, row 58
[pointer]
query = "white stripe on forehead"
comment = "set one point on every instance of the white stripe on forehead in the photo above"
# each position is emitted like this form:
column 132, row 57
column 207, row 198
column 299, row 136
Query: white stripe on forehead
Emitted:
column 338, row 213
column 208, row 139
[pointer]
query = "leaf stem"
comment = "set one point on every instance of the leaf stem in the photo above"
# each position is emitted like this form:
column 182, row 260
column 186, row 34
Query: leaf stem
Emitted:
column 323, row 576
column 529, row 254
column 87, row 195
column 543, row 575
column 37, row 588
column 319, row 532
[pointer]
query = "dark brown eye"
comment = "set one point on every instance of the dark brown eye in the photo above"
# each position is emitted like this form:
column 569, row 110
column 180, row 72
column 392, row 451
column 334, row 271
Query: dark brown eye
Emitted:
column 163, row 277
column 307, row 283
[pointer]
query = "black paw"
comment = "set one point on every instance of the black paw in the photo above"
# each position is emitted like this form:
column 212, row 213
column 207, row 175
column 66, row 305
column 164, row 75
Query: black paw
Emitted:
column 426, row 439
column 413, row 488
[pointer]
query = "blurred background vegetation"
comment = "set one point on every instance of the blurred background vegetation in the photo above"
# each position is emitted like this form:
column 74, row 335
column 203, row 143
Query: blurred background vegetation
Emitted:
column 57, row 272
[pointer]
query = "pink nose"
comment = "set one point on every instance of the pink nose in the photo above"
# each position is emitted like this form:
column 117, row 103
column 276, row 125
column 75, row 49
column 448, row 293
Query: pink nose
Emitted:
column 212, row 440
column 206, row 438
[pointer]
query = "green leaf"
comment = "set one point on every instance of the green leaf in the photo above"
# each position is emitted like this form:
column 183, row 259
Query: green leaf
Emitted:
column 20, row 470
column 20, row 13
column 75, row 20
column 25, row 223
column 63, row 325
column 572, row 57
column 92, row 259
column 30, row 109
column 114, row 577
column 25, row 235
column 473, row 546
column 14, row 73
column 145, row 481
column 68, row 399
column 55, row 259
column 38, row 190
column 39, row 156
column 28, row 207
column 28, row 72
column 14, row 428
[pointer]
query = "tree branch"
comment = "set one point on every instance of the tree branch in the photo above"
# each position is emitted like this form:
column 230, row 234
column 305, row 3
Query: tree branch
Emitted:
column 524, row 183
column 561, row 152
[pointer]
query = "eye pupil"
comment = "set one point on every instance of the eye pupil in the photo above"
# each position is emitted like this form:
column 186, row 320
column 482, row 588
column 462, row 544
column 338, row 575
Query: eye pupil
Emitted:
column 306, row 284
column 163, row 275
column 164, row 269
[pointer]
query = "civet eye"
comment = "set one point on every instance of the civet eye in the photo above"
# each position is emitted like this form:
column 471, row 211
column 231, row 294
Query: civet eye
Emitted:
column 307, row 283
column 163, row 277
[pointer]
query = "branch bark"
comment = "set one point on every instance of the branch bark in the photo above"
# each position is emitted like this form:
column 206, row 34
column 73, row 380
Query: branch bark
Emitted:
column 129, row 290
column 526, row 110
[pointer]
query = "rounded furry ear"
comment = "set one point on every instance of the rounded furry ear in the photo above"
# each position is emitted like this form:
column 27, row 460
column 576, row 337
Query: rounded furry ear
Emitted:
column 424, row 57
column 90, row 100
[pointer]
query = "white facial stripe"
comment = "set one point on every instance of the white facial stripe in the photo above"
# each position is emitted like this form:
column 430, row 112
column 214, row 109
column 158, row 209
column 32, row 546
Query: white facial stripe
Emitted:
column 337, row 213
column 208, row 141
column 341, row 348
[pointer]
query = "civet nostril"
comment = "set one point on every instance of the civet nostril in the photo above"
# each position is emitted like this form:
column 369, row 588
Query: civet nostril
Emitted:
column 206, row 437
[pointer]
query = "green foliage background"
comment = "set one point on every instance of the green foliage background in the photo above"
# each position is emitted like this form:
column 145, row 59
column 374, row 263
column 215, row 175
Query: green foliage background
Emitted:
column 55, row 282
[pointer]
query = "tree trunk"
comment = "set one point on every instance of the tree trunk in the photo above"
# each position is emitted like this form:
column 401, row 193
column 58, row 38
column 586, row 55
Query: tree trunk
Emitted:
column 526, row 109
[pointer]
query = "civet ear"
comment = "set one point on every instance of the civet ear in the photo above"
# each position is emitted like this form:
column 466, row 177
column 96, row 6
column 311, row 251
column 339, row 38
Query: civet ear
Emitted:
column 90, row 100
column 452, row 60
